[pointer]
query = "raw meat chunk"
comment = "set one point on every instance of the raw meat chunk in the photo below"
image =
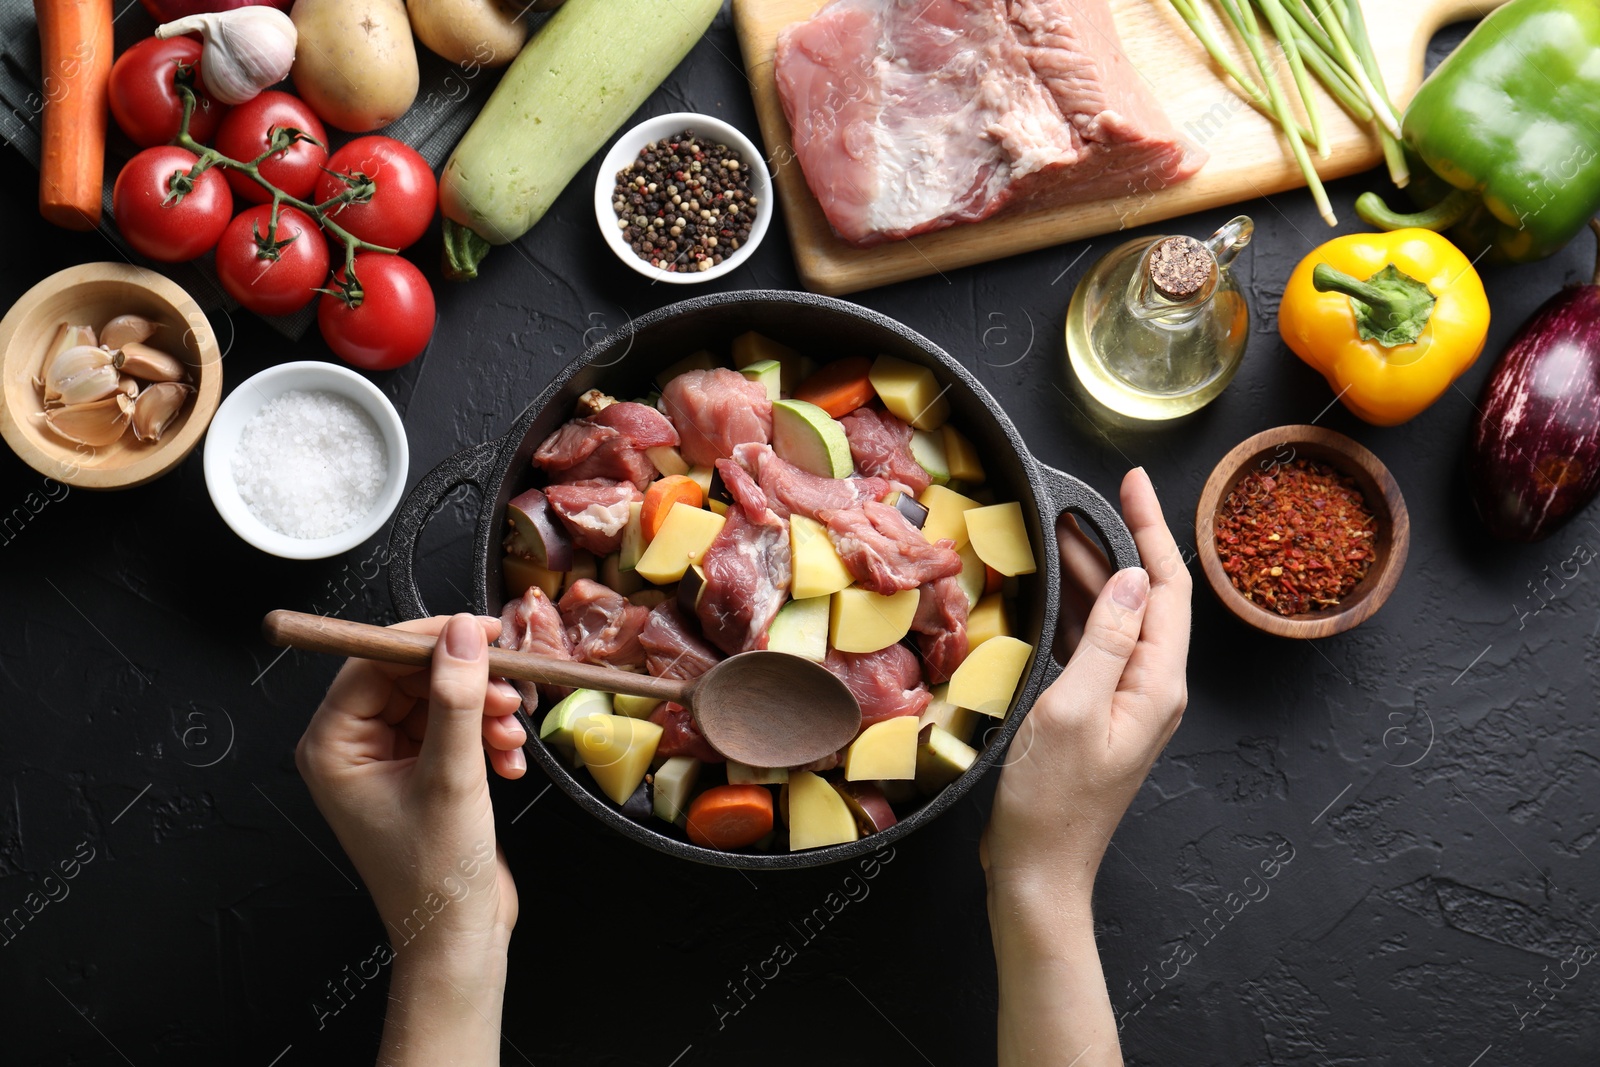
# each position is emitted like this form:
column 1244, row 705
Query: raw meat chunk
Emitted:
column 886, row 683
column 680, row 736
column 602, row 627
column 792, row 491
column 594, row 512
column 714, row 410
column 884, row 552
column 609, row 445
column 941, row 627
column 913, row 115
column 747, row 568
column 671, row 648
column 880, row 444
column 531, row 623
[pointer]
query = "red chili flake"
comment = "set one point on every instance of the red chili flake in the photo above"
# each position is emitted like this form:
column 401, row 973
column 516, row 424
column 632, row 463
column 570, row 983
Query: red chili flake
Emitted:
column 1298, row 539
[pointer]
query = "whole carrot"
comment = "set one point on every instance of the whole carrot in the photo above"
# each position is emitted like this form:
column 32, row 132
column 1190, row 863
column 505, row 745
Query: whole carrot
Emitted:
column 75, row 48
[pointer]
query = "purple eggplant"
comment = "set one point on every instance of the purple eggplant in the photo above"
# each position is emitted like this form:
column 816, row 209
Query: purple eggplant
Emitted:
column 1535, row 449
column 536, row 533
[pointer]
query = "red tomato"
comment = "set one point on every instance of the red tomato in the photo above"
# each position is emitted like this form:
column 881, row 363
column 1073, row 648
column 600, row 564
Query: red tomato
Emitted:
column 394, row 320
column 246, row 131
column 272, row 280
column 173, row 231
column 143, row 98
column 403, row 197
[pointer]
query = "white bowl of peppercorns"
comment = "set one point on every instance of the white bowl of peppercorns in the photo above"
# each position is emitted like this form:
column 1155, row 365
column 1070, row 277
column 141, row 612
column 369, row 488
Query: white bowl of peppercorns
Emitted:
column 683, row 198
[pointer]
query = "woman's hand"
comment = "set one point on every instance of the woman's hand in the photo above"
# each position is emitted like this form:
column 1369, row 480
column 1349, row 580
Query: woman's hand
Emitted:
column 1074, row 766
column 394, row 758
column 1079, row 757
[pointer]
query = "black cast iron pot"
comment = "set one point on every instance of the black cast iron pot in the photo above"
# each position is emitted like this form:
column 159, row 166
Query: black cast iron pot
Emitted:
column 625, row 364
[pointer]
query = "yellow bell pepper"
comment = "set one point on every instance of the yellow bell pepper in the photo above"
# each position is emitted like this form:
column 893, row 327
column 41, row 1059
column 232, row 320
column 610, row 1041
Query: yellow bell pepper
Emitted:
column 1390, row 319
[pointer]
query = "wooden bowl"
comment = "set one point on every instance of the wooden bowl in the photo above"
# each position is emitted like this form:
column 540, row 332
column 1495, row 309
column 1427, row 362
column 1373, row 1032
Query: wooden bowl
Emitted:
column 1377, row 485
column 91, row 294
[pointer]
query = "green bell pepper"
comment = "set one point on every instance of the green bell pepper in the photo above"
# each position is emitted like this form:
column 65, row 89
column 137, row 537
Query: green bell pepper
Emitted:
column 1509, row 126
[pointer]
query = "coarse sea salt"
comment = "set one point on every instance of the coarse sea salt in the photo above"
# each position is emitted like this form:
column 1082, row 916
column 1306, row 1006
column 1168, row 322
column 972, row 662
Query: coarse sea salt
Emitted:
column 310, row 464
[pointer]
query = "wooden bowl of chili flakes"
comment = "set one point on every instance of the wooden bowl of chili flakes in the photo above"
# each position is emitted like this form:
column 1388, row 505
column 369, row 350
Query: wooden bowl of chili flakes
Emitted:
column 1302, row 532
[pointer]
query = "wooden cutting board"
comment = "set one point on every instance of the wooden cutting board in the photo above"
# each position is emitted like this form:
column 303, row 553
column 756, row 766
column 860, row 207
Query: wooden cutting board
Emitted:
column 1248, row 157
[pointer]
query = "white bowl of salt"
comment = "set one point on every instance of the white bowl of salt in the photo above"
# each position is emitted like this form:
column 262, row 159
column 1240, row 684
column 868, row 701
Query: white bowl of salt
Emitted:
column 306, row 460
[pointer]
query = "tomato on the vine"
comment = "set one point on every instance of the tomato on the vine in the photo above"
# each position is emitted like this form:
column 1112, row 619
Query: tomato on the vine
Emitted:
column 402, row 197
column 272, row 277
column 162, row 213
column 392, row 322
column 144, row 96
column 246, row 132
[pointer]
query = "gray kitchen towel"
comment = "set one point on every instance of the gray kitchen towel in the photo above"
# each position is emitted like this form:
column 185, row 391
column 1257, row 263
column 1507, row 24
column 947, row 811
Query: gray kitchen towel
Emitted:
column 448, row 98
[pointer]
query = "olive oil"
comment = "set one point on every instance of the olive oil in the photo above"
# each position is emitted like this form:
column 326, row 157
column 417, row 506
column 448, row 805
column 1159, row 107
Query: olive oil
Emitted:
column 1158, row 327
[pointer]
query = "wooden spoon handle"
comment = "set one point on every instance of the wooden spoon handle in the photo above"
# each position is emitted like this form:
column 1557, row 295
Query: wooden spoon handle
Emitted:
column 341, row 637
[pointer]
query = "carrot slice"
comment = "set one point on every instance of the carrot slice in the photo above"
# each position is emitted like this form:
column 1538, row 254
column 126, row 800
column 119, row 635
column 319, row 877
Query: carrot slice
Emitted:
column 839, row 387
column 659, row 498
column 730, row 816
column 76, row 51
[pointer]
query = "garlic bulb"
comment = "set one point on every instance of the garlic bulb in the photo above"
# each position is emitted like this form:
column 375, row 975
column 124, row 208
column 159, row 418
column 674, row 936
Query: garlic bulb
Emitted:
column 244, row 50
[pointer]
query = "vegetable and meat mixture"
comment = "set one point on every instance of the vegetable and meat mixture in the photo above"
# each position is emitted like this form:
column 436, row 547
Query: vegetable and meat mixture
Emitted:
column 828, row 512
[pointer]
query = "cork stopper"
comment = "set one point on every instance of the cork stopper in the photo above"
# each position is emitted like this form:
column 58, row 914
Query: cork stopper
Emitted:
column 1180, row 267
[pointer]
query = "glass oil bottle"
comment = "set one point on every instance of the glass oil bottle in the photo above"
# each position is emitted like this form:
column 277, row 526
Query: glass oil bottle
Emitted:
column 1158, row 327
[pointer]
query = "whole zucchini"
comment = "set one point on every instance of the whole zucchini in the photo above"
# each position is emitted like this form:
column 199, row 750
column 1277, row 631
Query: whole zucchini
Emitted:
column 565, row 94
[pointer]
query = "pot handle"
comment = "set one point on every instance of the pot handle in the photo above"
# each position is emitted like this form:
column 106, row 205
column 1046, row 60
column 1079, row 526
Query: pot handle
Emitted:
column 1067, row 493
column 466, row 467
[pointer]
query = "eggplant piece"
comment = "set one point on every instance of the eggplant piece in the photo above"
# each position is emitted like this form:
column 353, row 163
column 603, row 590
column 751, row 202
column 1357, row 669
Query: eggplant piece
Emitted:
column 641, row 804
column 868, row 804
column 907, row 505
column 690, row 589
column 536, row 532
column 718, row 490
column 1535, row 446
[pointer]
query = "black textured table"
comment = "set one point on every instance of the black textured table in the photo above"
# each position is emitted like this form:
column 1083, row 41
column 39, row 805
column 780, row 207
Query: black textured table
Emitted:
column 1425, row 790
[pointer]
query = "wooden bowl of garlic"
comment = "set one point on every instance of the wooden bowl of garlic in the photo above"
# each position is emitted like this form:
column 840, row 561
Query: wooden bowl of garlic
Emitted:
column 111, row 373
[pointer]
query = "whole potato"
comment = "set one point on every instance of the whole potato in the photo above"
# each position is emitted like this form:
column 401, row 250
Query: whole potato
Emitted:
column 355, row 64
column 487, row 32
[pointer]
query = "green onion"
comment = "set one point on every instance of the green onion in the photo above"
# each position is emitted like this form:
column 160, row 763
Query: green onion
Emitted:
column 1242, row 15
column 1278, row 19
column 1220, row 55
column 1332, row 14
column 1393, row 153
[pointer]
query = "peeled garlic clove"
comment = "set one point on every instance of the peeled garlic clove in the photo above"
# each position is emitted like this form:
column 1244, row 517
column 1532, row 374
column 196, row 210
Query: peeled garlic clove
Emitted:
column 67, row 337
column 94, row 424
column 80, row 375
column 148, row 364
column 126, row 329
column 156, row 407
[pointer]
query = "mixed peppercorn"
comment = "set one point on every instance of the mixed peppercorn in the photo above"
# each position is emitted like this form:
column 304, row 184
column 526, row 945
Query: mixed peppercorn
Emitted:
column 684, row 205
column 1295, row 537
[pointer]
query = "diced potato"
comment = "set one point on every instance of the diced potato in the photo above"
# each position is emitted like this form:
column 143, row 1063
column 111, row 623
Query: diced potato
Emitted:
column 617, row 751
column 744, row 774
column 864, row 621
column 584, row 565
column 634, row 707
column 962, row 456
column 818, row 570
column 886, row 749
column 1001, row 538
column 910, row 392
column 941, row 759
column 674, row 781
column 957, row 722
column 702, row 476
column 520, row 573
column 667, row 459
column 684, row 536
column 988, row 619
column 987, row 679
column 817, row 814
column 946, row 514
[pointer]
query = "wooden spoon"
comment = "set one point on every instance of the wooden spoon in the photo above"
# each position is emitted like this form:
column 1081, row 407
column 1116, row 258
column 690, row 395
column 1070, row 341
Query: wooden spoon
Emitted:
column 765, row 709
